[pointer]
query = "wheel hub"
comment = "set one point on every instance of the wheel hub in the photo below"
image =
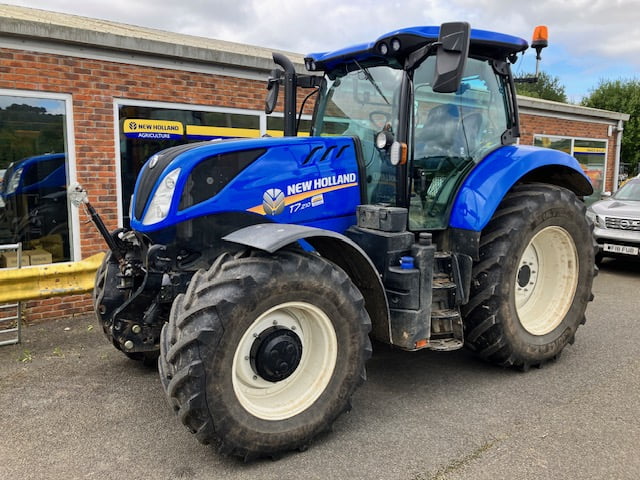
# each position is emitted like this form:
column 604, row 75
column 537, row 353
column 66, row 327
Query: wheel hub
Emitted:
column 276, row 353
column 524, row 275
column 309, row 367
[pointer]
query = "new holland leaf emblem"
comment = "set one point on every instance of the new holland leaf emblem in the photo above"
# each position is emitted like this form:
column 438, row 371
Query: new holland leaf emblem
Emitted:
column 273, row 201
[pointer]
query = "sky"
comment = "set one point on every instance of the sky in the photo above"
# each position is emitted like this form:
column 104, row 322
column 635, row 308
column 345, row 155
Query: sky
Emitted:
column 589, row 40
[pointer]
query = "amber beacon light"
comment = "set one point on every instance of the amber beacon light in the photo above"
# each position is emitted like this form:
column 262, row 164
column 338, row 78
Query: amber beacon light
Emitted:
column 540, row 39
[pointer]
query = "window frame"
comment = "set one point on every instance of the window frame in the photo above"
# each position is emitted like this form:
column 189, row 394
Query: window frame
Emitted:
column 75, row 247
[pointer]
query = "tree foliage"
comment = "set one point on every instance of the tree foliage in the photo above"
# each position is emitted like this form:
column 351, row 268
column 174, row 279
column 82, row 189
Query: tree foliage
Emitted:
column 546, row 87
column 621, row 96
column 26, row 130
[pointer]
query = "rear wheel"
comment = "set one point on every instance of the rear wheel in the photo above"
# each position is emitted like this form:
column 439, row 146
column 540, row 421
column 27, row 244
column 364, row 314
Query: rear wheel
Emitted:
column 533, row 281
column 263, row 352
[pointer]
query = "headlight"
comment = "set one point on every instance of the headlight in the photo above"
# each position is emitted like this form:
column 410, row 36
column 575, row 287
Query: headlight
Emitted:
column 597, row 220
column 14, row 181
column 161, row 201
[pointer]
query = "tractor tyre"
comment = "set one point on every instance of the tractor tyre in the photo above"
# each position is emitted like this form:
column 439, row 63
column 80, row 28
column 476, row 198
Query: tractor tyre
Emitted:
column 100, row 282
column 532, row 283
column 264, row 351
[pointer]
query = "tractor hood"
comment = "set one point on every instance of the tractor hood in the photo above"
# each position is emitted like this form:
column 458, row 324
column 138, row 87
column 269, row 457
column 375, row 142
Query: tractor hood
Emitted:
column 617, row 208
column 287, row 180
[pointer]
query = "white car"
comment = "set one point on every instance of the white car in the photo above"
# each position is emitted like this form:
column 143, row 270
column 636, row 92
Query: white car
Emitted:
column 617, row 222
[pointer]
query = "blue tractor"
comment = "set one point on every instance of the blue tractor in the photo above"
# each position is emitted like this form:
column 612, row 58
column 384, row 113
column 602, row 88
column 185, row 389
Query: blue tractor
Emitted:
column 259, row 269
column 34, row 199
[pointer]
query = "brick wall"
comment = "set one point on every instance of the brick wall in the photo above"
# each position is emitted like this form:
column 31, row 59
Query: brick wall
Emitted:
column 93, row 85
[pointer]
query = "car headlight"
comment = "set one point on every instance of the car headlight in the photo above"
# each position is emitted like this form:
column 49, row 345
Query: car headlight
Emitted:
column 161, row 201
column 597, row 220
column 14, row 181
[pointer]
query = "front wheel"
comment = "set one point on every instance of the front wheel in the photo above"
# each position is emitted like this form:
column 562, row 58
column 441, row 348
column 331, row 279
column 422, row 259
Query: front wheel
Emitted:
column 263, row 352
column 532, row 284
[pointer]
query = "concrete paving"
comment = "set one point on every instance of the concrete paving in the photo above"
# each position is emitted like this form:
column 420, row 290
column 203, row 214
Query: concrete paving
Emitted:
column 72, row 407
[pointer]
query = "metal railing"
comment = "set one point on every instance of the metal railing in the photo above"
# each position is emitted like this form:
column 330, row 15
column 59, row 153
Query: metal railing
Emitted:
column 36, row 282
column 11, row 313
column 53, row 280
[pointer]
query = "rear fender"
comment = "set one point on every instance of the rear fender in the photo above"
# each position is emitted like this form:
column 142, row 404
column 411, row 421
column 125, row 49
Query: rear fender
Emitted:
column 335, row 247
column 488, row 183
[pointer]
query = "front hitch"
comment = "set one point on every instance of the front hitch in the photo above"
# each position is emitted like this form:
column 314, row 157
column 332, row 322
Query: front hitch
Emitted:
column 126, row 292
column 78, row 196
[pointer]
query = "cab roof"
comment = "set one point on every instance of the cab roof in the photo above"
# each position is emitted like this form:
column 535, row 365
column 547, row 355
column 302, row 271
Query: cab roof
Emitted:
column 484, row 44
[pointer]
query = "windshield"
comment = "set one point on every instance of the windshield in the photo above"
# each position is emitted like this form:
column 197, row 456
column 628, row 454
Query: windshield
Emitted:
column 630, row 191
column 451, row 132
column 361, row 103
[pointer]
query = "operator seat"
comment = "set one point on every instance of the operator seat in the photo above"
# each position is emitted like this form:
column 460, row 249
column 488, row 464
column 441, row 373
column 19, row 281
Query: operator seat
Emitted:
column 442, row 134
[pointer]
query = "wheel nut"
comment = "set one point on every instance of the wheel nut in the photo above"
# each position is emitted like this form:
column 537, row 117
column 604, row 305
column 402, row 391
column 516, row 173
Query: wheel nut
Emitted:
column 128, row 344
column 136, row 329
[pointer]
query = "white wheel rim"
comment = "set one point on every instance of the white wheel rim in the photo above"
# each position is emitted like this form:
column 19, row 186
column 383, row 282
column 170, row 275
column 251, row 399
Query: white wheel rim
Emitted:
column 289, row 397
column 546, row 280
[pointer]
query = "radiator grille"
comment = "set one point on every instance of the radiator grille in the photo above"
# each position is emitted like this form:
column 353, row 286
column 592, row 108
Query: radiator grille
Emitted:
column 629, row 224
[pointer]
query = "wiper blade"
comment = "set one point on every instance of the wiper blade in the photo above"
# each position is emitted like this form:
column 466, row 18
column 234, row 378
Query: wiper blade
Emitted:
column 372, row 81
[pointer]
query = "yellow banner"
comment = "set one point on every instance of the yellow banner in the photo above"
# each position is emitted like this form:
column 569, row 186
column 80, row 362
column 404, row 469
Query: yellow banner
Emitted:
column 214, row 132
column 141, row 128
column 597, row 150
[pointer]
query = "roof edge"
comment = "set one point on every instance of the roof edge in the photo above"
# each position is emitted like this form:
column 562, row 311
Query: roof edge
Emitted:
column 71, row 30
column 567, row 108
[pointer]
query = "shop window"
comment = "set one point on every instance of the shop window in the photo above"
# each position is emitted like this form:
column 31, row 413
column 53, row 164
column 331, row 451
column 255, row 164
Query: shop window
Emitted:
column 34, row 170
column 275, row 126
column 592, row 155
column 145, row 130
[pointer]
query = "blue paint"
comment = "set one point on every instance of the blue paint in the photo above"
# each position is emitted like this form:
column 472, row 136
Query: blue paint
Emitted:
column 487, row 184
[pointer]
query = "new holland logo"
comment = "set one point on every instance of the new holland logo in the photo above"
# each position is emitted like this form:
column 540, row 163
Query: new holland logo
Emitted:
column 273, row 201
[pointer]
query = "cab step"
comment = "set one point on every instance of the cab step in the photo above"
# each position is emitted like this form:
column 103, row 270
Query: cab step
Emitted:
column 446, row 330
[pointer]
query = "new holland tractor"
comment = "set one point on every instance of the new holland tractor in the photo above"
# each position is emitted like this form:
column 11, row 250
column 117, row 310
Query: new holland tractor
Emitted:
column 259, row 269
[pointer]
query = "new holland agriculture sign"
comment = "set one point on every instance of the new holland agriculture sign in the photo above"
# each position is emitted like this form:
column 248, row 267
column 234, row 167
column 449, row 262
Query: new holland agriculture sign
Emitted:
column 153, row 129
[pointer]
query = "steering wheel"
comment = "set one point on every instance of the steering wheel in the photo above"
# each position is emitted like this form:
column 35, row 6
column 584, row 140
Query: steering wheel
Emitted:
column 379, row 119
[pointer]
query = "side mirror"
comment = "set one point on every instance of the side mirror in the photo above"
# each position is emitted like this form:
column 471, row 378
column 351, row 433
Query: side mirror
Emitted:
column 451, row 56
column 77, row 195
column 273, row 88
column 605, row 195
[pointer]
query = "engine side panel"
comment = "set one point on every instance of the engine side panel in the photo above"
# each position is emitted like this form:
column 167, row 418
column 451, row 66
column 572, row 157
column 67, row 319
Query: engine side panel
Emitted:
column 307, row 181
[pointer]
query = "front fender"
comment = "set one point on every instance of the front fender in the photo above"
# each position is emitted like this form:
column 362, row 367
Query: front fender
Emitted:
column 333, row 246
column 488, row 183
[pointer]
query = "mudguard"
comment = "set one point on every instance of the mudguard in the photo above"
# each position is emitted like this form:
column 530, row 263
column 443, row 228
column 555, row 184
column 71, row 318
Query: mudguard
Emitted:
column 488, row 183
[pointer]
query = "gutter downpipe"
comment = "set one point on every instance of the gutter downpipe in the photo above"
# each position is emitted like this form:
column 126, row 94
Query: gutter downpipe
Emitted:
column 616, row 162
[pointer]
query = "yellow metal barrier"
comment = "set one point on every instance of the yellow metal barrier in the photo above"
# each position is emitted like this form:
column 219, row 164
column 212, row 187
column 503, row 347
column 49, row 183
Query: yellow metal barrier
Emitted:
column 31, row 283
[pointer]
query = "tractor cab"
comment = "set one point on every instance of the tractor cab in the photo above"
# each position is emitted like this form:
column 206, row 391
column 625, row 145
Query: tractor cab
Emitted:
column 426, row 104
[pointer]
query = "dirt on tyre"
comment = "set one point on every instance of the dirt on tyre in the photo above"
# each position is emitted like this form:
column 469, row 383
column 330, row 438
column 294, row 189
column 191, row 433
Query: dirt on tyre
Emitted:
column 532, row 283
column 263, row 352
